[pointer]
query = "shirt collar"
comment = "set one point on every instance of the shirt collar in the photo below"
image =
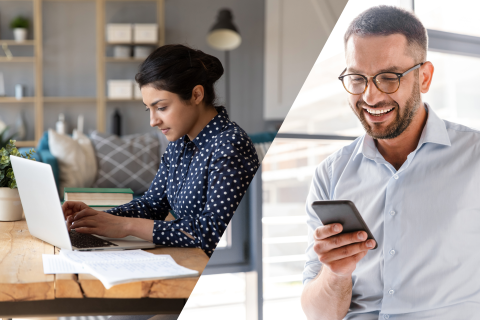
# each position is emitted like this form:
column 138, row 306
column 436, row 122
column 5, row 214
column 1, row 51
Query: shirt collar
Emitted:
column 211, row 129
column 434, row 131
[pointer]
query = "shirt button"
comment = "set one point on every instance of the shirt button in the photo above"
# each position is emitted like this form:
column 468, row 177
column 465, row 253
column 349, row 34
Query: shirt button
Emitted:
column 392, row 252
column 395, row 176
column 386, row 316
column 391, row 291
column 392, row 213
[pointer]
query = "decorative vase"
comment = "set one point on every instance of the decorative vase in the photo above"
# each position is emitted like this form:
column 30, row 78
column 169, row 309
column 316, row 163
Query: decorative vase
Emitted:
column 10, row 205
column 20, row 34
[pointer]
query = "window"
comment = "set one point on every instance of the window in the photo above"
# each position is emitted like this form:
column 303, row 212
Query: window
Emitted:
column 287, row 174
column 460, row 16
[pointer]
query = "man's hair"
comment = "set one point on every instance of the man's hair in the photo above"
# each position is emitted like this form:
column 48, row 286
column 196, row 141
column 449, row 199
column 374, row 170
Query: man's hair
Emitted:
column 387, row 20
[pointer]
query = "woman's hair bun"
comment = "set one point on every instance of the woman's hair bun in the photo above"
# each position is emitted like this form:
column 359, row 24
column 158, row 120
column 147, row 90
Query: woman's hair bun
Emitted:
column 212, row 65
column 177, row 68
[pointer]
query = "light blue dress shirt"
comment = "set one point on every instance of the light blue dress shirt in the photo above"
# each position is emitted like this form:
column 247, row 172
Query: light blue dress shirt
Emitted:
column 425, row 218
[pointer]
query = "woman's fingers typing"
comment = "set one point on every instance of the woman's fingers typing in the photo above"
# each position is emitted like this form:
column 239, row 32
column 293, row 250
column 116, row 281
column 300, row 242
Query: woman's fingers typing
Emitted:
column 71, row 207
column 84, row 213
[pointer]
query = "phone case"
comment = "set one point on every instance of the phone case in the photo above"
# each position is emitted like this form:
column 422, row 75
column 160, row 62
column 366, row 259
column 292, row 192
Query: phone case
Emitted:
column 343, row 212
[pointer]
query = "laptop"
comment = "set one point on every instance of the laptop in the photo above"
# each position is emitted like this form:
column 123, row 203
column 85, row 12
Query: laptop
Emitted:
column 44, row 214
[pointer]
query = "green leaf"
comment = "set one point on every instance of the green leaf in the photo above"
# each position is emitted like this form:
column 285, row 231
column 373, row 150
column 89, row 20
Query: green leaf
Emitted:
column 13, row 184
column 19, row 22
column 5, row 159
column 10, row 174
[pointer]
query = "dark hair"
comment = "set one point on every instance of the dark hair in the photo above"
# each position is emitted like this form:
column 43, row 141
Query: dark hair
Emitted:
column 178, row 69
column 387, row 20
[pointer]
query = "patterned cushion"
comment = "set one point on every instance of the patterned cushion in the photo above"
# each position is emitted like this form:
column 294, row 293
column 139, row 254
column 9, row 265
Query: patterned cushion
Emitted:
column 127, row 162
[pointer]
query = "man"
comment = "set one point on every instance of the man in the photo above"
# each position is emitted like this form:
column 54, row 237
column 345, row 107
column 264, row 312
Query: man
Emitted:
column 414, row 178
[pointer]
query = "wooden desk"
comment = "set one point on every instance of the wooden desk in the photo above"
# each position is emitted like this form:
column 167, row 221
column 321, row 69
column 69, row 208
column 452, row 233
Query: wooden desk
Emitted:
column 25, row 291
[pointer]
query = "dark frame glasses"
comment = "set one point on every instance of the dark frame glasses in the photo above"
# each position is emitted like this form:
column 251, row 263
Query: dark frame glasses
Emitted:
column 375, row 80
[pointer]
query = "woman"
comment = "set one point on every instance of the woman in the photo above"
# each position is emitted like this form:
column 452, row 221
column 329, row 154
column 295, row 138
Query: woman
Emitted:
column 205, row 171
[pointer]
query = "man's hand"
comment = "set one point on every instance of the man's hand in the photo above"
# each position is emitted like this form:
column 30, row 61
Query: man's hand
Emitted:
column 340, row 253
column 329, row 295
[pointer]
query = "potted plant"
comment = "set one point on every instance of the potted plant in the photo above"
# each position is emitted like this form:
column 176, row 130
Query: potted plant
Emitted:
column 20, row 27
column 10, row 205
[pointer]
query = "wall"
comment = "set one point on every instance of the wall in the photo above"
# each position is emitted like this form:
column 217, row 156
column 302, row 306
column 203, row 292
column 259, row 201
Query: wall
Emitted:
column 187, row 22
column 70, row 64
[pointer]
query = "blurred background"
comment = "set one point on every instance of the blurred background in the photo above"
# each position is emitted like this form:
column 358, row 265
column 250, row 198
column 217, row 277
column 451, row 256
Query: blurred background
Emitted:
column 74, row 49
column 318, row 124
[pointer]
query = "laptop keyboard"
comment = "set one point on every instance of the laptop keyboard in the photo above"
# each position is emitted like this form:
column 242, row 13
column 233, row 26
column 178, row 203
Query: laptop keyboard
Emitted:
column 84, row 240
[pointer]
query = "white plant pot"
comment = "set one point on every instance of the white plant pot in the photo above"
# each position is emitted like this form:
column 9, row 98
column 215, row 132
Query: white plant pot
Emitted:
column 20, row 34
column 10, row 205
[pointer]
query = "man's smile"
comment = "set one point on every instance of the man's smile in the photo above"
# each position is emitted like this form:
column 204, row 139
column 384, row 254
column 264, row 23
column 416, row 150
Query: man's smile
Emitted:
column 378, row 112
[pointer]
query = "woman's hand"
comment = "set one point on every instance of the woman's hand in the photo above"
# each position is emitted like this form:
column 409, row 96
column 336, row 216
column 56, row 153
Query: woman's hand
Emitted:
column 99, row 222
column 70, row 208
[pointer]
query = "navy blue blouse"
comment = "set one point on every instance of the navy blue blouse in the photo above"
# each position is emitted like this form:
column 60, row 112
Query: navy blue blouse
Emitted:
column 203, row 182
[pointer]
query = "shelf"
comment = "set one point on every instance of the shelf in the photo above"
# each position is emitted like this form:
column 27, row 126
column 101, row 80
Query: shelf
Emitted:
column 123, row 100
column 48, row 99
column 112, row 59
column 23, row 144
column 14, row 100
column 132, row 43
column 17, row 59
column 129, row 0
column 69, row 99
column 15, row 43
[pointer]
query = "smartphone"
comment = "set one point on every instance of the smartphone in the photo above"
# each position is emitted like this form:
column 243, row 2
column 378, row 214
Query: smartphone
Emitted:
column 343, row 212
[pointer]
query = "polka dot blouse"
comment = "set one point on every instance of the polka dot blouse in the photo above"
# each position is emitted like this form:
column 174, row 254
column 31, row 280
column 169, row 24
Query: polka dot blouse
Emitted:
column 202, row 181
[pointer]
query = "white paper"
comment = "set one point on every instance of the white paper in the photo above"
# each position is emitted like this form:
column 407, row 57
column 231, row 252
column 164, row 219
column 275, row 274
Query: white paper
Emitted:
column 53, row 264
column 158, row 267
column 116, row 267
column 80, row 257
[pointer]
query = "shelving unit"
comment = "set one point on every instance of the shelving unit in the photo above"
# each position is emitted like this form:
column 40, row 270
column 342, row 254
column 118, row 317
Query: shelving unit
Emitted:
column 17, row 59
column 122, row 100
column 111, row 59
column 14, row 100
column 16, row 43
column 100, row 100
column 69, row 99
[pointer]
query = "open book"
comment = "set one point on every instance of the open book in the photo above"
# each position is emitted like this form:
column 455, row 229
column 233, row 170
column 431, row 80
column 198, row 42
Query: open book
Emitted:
column 116, row 267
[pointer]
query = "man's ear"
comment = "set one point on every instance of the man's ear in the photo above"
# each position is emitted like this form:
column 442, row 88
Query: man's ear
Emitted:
column 426, row 74
column 198, row 93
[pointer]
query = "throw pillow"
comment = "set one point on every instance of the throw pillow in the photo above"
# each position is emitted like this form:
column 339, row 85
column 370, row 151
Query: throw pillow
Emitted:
column 127, row 162
column 90, row 168
column 76, row 160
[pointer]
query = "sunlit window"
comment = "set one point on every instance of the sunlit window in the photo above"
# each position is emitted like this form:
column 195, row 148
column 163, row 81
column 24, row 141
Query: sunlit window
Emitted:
column 459, row 16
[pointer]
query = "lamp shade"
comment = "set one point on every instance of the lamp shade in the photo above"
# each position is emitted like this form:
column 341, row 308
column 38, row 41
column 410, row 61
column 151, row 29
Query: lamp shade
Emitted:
column 224, row 35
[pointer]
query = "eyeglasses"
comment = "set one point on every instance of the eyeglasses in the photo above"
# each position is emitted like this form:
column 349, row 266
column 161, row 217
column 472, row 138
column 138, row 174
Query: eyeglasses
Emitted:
column 386, row 82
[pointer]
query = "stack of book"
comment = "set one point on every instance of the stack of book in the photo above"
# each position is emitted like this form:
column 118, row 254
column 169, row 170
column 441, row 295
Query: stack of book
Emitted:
column 99, row 198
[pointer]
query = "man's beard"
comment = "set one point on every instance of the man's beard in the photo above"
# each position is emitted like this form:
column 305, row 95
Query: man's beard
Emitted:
column 402, row 120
